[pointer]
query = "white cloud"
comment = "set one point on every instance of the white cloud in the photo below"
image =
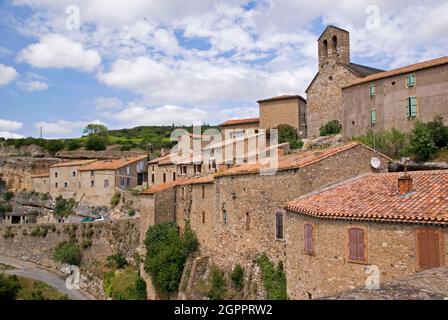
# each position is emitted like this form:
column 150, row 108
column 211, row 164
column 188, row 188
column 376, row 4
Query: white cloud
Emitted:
column 7, row 74
column 32, row 82
column 9, row 125
column 10, row 135
column 102, row 103
column 57, row 51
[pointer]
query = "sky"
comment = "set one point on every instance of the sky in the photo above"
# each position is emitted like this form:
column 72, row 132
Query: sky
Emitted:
column 67, row 63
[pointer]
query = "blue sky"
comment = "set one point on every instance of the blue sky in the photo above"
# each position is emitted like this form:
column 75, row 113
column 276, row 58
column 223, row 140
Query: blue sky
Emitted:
column 141, row 62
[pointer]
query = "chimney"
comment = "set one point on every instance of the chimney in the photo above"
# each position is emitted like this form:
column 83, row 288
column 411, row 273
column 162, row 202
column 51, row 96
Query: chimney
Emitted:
column 405, row 184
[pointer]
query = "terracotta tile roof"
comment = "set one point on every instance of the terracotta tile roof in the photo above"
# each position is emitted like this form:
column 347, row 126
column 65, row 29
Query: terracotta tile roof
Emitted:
column 283, row 97
column 375, row 197
column 180, row 182
column 159, row 159
column 294, row 160
column 406, row 69
column 240, row 121
column 111, row 164
column 43, row 175
column 72, row 163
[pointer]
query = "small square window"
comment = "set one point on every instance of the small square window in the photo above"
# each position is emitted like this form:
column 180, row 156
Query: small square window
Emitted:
column 73, row 173
column 106, row 183
column 410, row 81
column 92, row 183
column 65, row 185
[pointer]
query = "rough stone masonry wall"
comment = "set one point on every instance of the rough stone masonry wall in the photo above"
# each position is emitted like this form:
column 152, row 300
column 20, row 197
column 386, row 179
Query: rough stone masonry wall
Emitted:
column 325, row 96
column 391, row 247
column 107, row 238
column 257, row 198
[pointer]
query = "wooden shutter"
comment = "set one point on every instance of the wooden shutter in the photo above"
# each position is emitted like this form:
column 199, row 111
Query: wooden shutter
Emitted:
column 356, row 244
column 308, row 238
column 352, row 244
column 372, row 90
column 410, row 80
column 360, row 245
column 373, row 116
column 428, row 243
column 413, row 106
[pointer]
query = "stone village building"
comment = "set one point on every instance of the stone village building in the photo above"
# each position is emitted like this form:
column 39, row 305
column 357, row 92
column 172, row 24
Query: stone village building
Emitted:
column 396, row 223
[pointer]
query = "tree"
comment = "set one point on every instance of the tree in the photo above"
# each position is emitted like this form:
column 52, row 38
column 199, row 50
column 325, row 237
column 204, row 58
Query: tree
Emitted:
column 63, row 207
column 422, row 144
column 166, row 253
column 218, row 284
column 9, row 287
column 287, row 133
column 68, row 252
column 331, row 127
column 55, row 146
column 94, row 129
column 438, row 131
column 96, row 143
column 73, row 145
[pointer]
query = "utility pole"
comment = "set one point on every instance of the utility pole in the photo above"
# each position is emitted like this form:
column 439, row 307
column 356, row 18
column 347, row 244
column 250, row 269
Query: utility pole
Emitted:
column 41, row 131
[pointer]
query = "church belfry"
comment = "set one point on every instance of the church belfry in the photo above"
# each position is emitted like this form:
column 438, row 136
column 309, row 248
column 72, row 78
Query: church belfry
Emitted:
column 334, row 46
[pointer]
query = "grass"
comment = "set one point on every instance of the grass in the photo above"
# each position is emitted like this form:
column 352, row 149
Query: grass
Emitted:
column 38, row 290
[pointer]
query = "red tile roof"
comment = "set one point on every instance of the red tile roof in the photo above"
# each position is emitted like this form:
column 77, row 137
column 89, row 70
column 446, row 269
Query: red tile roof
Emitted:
column 111, row 164
column 283, row 97
column 375, row 197
column 72, row 163
column 180, row 182
column 407, row 69
column 240, row 121
column 294, row 160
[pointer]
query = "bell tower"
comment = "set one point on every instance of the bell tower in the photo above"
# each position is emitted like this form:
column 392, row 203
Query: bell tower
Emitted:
column 334, row 46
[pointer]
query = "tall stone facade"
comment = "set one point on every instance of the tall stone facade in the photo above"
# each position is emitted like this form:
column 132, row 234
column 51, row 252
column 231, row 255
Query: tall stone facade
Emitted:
column 324, row 94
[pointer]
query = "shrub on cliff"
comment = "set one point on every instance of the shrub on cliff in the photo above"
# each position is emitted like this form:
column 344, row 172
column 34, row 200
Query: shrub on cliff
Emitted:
column 166, row 253
column 9, row 287
column 68, row 252
column 237, row 277
column 274, row 278
column 63, row 207
column 218, row 284
column 287, row 133
column 331, row 127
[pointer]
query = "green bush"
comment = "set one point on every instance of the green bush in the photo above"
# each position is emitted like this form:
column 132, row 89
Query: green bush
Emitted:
column 86, row 243
column 63, row 207
column 8, row 196
column 438, row 131
column 274, row 279
column 287, row 133
column 73, row 145
column 68, row 252
column 117, row 261
column 9, row 234
column 9, row 287
column 115, row 200
column 391, row 142
column 55, row 146
column 40, row 231
column 96, row 143
column 422, row 144
column 331, row 127
column 131, row 212
column 166, row 253
column 5, row 208
column 125, row 285
column 237, row 277
column 218, row 287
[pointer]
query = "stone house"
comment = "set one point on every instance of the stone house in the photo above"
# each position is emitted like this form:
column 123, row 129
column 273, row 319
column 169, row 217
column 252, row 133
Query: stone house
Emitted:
column 237, row 128
column 234, row 212
column 396, row 98
column 65, row 178
column 100, row 180
column 166, row 169
column 286, row 109
column 41, row 183
column 371, row 229
column 324, row 94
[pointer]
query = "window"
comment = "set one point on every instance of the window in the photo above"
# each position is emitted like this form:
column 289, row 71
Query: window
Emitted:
column 73, row 173
column 92, row 183
column 197, row 168
column 56, row 185
column 279, row 225
column 128, row 170
column 372, row 116
column 153, row 178
column 411, row 107
column 65, row 185
column 203, row 192
column 174, row 176
column 429, row 249
column 56, row 174
column 247, row 221
column 164, row 177
column 410, row 81
column 128, row 182
column 356, row 243
column 372, row 90
column 224, row 217
column 122, row 182
column 308, row 238
column 334, row 44
column 92, row 173
column 203, row 216
column 106, row 183
column 153, row 168
column 183, row 170
column 325, row 48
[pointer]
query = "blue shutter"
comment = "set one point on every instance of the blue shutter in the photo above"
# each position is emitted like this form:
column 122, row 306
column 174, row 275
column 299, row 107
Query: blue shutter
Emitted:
column 411, row 80
column 413, row 106
column 408, row 108
column 372, row 90
column 372, row 116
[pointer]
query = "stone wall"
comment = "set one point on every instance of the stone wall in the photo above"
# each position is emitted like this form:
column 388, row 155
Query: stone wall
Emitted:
column 391, row 247
column 283, row 111
column 106, row 238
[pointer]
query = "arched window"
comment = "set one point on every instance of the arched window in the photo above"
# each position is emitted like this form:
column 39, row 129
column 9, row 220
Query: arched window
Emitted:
column 325, row 48
column 334, row 44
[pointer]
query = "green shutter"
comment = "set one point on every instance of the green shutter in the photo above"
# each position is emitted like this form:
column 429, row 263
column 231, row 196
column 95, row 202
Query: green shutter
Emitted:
column 408, row 108
column 373, row 116
column 413, row 106
column 372, row 90
column 411, row 80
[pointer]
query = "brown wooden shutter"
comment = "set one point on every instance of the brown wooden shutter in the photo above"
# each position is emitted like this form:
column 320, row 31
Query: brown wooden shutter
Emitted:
column 308, row 237
column 428, row 249
column 360, row 245
column 352, row 237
